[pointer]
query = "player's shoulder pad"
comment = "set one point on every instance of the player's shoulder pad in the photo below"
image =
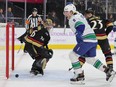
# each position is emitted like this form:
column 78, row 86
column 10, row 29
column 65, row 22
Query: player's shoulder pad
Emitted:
column 94, row 18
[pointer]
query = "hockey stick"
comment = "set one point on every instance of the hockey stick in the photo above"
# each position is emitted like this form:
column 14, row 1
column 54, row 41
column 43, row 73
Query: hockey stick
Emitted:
column 64, row 25
column 64, row 28
column 65, row 19
column 20, row 48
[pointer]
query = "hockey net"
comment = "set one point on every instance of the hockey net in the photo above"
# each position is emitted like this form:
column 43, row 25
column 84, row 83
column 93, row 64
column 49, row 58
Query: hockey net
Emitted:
column 6, row 49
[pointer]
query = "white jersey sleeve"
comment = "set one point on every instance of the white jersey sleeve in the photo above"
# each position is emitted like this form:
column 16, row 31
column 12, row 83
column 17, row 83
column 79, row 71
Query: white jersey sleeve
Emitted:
column 88, row 34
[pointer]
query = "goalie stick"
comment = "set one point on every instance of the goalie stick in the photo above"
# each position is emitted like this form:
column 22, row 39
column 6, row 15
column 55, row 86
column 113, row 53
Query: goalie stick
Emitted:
column 20, row 48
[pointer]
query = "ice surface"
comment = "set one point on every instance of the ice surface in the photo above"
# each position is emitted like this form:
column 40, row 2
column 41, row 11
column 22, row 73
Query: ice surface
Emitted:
column 56, row 73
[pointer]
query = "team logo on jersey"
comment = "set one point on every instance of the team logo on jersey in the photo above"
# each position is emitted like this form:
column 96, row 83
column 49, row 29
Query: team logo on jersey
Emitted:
column 42, row 38
column 74, row 20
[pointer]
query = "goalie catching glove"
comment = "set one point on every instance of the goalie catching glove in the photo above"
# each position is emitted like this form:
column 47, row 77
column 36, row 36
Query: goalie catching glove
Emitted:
column 46, row 53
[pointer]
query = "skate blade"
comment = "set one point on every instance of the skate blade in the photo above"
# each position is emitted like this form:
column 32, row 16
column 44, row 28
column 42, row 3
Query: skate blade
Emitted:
column 112, row 77
column 78, row 82
column 33, row 75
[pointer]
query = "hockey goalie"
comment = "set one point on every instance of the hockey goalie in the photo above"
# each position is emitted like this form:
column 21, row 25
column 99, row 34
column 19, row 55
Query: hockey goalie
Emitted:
column 36, row 44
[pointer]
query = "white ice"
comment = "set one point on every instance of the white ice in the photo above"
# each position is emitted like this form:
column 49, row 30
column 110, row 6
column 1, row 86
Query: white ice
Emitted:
column 56, row 73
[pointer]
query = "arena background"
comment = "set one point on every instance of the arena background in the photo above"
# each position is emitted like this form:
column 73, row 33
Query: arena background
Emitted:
column 21, row 9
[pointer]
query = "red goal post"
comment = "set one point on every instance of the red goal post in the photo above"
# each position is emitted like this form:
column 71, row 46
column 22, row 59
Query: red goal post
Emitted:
column 8, row 47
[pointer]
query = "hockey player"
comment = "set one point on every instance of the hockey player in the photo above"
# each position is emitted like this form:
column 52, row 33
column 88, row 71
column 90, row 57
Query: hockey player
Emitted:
column 101, row 28
column 32, row 21
column 36, row 46
column 86, row 44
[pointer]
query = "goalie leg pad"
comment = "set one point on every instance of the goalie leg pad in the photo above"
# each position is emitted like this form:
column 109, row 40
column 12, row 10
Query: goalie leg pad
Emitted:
column 31, row 50
column 39, row 65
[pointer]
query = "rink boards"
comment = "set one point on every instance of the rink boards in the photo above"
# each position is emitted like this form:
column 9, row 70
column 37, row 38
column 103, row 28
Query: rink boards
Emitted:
column 59, row 39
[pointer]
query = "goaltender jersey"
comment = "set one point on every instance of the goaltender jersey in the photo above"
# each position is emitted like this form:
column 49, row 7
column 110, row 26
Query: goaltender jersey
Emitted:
column 39, row 37
column 35, row 43
column 102, row 27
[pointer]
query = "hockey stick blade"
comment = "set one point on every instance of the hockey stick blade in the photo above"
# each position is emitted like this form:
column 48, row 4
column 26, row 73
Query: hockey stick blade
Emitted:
column 20, row 48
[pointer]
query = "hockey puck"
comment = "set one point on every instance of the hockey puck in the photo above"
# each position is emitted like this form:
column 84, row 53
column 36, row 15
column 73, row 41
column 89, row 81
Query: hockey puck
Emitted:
column 16, row 75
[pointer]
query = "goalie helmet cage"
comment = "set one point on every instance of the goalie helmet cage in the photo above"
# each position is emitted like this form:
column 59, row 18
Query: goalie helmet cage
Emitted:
column 8, row 47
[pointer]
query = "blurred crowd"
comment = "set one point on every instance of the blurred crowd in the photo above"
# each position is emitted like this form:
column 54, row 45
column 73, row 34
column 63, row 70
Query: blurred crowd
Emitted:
column 55, row 11
column 10, row 16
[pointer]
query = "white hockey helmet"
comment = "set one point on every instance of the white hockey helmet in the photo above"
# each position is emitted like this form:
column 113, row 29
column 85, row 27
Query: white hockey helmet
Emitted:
column 70, row 7
column 114, row 23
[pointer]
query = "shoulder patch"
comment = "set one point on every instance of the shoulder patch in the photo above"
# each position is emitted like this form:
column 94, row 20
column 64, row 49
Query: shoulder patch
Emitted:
column 74, row 20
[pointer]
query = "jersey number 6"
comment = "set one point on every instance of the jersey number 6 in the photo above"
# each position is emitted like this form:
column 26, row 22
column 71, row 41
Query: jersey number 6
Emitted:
column 33, row 33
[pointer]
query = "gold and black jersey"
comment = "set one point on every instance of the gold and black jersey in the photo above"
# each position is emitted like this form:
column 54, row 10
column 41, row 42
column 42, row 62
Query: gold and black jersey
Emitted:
column 101, row 27
column 39, row 37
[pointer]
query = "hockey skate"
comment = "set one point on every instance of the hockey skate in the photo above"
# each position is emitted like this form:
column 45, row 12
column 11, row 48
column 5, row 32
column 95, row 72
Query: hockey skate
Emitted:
column 35, row 72
column 78, row 79
column 110, row 73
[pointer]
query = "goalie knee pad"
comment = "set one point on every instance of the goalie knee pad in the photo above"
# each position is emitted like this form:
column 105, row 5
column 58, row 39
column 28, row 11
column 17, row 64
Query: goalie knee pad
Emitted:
column 30, row 49
column 39, row 64
column 36, row 63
